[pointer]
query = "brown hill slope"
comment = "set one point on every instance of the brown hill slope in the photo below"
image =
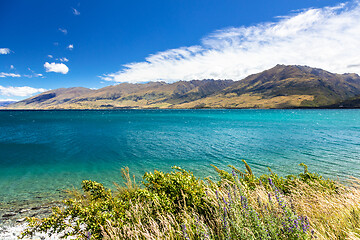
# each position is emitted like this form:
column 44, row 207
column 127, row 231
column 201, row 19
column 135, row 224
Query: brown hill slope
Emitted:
column 50, row 98
column 126, row 95
column 296, row 80
column 285, row 87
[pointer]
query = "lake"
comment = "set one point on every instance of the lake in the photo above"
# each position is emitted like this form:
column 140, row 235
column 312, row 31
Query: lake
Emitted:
column 44, row 152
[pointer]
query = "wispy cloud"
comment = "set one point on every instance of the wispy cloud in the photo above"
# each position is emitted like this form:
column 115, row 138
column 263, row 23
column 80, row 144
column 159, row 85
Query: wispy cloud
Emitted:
column 63, row 30
column 327, row 38
column 20, row 91
column 64, row 59
column 33, row 74
column 5, row 51
column 56, row 67
column 353, row 65
column 2, row 75
column 50, row 56
column 70, row 47
column 75, row 12
column 8, row 100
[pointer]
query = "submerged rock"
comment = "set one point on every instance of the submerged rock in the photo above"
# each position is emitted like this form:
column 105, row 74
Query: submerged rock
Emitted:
column 9, row 214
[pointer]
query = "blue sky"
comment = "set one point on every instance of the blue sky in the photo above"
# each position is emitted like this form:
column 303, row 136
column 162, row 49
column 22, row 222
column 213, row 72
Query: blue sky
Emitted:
column 52, row 44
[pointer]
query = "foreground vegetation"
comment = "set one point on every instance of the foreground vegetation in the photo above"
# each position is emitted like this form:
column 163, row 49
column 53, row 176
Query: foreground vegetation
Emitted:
column 238, row 205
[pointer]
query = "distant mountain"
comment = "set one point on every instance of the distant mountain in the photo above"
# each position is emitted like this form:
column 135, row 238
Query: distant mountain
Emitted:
column 5, row 103
column 283, row 86
column 286, row 87
column 125, row 95
column 50, row 98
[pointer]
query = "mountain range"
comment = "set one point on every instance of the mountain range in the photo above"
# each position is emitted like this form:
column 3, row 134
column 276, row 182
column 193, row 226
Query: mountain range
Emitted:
column 283, row 86
column 5, row 103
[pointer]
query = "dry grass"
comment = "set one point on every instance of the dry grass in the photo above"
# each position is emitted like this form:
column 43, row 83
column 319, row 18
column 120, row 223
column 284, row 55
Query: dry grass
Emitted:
column 332, row 215
column 248, row 101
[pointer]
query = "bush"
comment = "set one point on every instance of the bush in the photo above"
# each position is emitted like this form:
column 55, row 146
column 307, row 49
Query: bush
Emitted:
column 177, row 205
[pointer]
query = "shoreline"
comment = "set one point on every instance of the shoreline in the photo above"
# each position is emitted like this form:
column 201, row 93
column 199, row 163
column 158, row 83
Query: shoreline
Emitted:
column 13, row 218
column 13, row 213
column 16, row 213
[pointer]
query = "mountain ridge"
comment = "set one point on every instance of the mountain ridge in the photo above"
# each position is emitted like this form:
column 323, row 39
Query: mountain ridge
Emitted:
column 4, row 103
column 283, row 86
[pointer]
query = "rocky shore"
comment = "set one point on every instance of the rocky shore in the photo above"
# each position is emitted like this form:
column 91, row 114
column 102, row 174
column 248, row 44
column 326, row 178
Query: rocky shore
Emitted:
column 13, row 217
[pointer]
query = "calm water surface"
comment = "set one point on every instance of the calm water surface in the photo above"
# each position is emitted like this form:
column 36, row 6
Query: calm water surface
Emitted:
column 42, row 152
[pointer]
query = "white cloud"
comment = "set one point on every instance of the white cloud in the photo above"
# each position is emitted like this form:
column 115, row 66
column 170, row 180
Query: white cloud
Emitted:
column 8, row 100
column 50, row 56
column 70, row 47
column 12, row 67
column 5, row 50
column 33, row 74
column 63, row 30
column 327, row 38
column 64, row 59
column 56, row 67
column 75, row 12
column 2, row 75
column 108, row 77
column 20, row 91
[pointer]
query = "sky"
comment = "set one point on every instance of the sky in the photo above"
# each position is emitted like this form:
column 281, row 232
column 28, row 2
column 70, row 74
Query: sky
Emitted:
column 53, row 44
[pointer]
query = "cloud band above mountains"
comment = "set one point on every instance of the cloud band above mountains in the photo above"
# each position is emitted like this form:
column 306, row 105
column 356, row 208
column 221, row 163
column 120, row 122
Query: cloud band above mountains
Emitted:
column 20, row 91
column 327, row 38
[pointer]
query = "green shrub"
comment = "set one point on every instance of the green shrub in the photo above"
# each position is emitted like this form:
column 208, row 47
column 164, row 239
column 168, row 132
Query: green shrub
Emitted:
column 177, row 205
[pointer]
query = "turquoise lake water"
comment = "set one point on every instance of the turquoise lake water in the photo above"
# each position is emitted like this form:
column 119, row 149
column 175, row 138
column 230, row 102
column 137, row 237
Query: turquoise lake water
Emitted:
column 42, row 152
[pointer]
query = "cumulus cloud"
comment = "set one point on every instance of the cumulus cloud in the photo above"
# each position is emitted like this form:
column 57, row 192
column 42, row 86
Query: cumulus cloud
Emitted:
column 75, row 12
column 2, row 75
column 5, row 51
column 70, row 47
column 56, row 67
column 20, row 91
column 63, row 30
column 327, row 38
